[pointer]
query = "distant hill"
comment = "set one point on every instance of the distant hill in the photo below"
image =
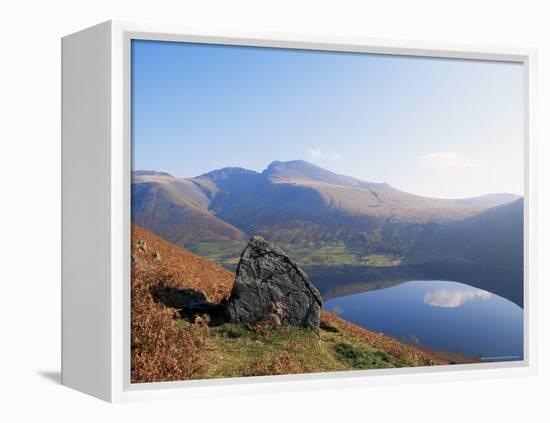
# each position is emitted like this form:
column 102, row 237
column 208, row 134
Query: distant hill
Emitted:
column 492, row 238
column 485, row 250
column 177, row 209
column 149, row 173
column 488, row 200
column 291, row 202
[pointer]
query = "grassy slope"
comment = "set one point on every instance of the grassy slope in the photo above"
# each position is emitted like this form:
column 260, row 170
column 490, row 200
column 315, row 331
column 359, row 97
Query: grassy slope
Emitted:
column 165, row 347
column 235, row 350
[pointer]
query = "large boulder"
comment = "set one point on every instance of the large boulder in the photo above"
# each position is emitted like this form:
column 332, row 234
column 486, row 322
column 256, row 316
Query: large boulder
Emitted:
column 269, row 284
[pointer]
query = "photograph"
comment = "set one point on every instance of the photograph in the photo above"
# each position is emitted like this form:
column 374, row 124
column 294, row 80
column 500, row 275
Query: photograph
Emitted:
column 309, row 211
column 278, row 212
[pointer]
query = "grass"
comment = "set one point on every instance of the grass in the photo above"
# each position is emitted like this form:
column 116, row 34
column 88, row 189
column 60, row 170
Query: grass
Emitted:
column 240, row 351
column 326, row 253
column 362, row 358
column 234, row 350
column 383, row 260
column 226, row 253
column 322, row 253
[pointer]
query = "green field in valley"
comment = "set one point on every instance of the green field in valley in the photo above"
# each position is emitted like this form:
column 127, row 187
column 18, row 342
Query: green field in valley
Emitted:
column 329, row 253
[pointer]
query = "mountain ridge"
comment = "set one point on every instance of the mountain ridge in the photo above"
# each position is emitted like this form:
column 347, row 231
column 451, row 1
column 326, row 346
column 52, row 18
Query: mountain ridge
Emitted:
column 492, row 199
column 291, row 202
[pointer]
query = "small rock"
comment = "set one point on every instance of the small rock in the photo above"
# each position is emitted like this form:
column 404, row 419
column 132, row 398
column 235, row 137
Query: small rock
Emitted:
column 156, row 256
column 138, row 262
column 142, row 245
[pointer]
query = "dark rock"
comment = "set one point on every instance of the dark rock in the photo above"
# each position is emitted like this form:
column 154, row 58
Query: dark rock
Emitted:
column 269, row 283
column 328, row 327
column 215, row 312
column 191, row 303
column 179, row 298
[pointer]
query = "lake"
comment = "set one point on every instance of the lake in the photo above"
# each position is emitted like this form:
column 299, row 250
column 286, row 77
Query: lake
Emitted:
column 444, row 315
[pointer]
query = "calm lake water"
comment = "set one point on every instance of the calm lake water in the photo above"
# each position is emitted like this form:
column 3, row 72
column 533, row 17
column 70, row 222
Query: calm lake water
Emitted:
column 448, row 316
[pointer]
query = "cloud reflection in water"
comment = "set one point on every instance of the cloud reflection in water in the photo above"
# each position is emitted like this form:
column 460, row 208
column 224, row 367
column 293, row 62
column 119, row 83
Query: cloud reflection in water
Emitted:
column 447, row 298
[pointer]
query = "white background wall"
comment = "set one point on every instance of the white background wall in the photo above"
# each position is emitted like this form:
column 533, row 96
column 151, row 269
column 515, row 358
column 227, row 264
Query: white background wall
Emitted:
column 30, row 206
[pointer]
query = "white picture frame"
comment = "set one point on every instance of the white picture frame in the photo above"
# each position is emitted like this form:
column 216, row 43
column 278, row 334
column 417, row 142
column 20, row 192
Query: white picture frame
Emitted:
column 96, row 142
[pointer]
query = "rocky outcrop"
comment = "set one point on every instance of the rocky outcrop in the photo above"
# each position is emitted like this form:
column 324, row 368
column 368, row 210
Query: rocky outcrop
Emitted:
column 268, row 283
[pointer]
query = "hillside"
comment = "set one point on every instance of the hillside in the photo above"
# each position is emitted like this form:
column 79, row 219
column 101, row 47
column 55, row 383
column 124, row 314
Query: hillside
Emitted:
column 168, row 347
column 492, row 238
column 177, row 209
column 178, row 267
column 485, row 251
column 294, row 203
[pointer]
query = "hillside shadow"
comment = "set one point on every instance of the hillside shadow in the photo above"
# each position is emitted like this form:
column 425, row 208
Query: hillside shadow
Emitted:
column 53, row 376
column 191, row 304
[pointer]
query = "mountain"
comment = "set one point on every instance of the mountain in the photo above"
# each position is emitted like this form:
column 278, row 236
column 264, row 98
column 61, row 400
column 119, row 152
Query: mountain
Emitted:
column 291, row 202
column 177, row 209
column 297, row 202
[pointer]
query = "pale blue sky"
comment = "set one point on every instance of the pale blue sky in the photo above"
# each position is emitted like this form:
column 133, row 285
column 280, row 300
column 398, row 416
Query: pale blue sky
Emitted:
column 436, row 127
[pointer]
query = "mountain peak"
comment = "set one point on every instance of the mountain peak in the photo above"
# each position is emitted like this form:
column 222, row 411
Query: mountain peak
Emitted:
column 291, row 163
column 294, row 170
column 295, row 166
column 227, row 172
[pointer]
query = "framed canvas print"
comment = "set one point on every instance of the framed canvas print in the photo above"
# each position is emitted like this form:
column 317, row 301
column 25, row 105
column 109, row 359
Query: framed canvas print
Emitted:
column 249, row 212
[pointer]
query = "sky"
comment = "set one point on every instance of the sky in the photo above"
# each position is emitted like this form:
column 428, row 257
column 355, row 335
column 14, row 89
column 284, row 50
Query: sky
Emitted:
column 435, row 127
